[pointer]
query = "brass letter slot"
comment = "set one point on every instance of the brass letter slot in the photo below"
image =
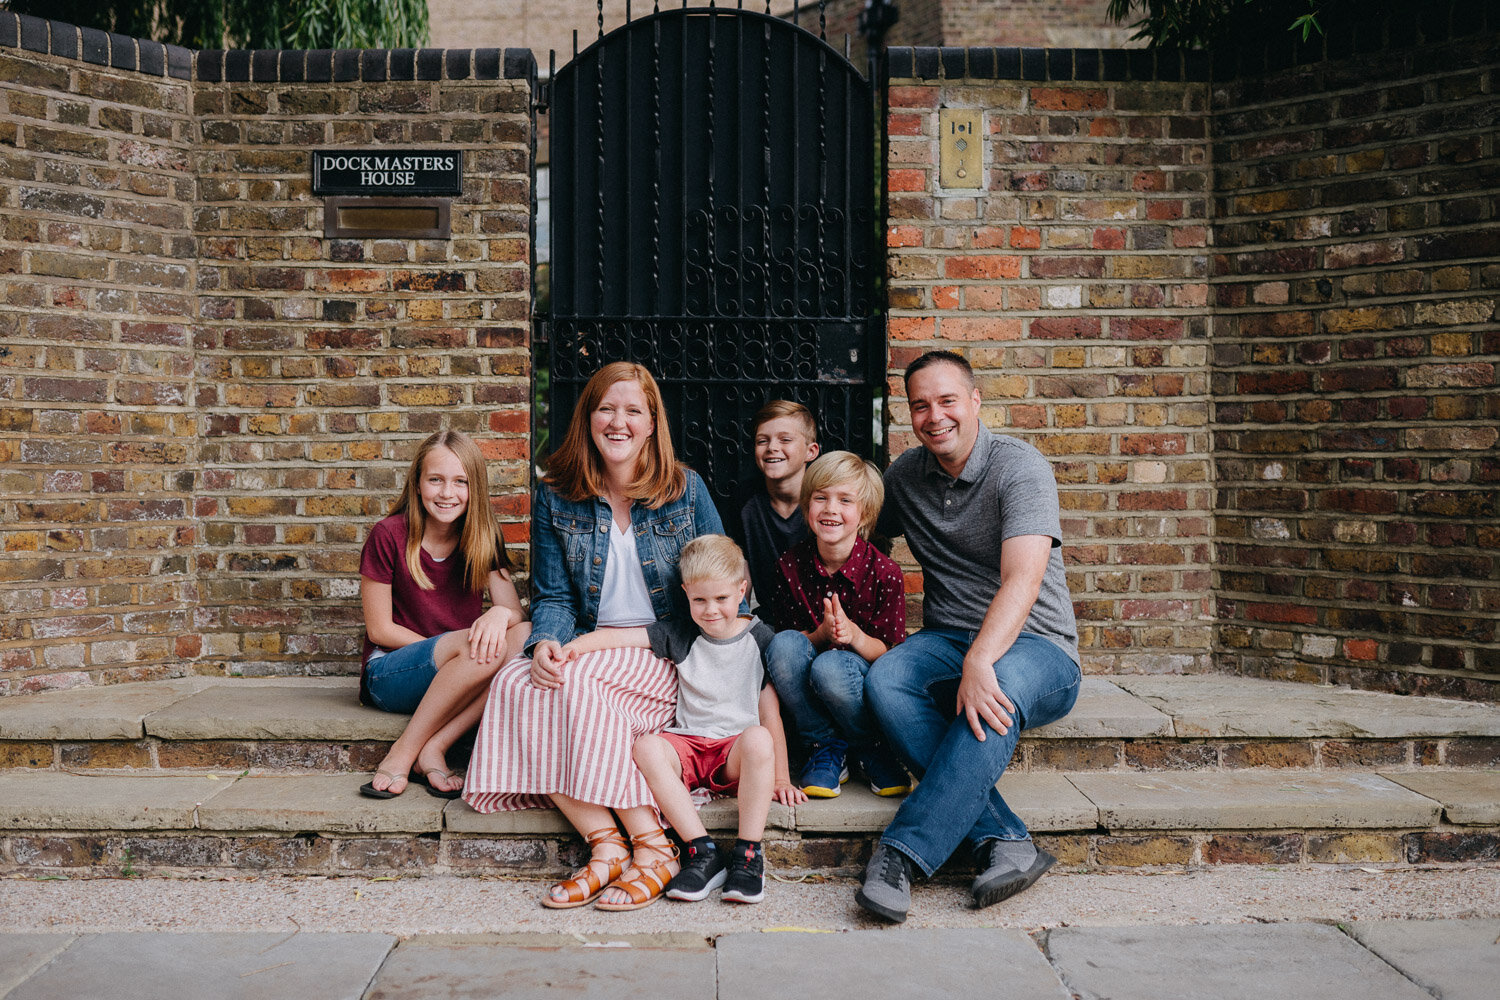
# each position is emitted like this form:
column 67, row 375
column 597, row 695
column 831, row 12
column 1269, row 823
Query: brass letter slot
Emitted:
column 387, row 218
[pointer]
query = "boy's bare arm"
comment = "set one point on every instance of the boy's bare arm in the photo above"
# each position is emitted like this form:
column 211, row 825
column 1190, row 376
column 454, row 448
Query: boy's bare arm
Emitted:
column 783, row 790
column 607, row 638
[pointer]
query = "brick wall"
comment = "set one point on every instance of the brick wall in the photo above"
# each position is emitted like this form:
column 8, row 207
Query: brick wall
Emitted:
column 1343, row 333
column 1254, row 332
column 204, row 404
column 323, row 362
column 1355, row 352
column 1076, row 283
column 98, row 449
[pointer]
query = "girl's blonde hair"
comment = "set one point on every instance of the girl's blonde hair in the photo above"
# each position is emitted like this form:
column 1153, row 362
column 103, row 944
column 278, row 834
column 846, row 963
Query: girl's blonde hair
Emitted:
column 712, row 557
column 575, row 471
column 479, row 540
column 836, row 468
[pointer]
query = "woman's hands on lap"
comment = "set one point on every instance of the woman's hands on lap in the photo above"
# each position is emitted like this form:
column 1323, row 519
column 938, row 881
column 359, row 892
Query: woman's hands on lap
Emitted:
column 547, row 659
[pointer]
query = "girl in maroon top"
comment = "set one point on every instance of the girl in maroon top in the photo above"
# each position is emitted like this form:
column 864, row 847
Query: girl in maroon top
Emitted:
column 430, row 647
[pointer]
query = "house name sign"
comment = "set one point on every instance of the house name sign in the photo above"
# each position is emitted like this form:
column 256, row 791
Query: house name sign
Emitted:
column 387, row 172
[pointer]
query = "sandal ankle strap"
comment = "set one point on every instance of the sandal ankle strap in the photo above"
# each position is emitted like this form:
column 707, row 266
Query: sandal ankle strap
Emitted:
column 606, row 835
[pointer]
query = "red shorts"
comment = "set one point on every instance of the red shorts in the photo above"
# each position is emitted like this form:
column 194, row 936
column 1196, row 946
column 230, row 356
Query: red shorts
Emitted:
column 704, row 761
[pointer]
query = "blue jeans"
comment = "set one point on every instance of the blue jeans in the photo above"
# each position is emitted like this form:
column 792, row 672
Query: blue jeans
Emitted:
column 397, row 681
column 825, row 692
column 913, row 691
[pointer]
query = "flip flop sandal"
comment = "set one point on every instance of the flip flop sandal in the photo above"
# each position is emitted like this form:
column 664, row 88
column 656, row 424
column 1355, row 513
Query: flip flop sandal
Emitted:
column 369, row 790
column 425, row 780
column 651, row 878
column 586, row 885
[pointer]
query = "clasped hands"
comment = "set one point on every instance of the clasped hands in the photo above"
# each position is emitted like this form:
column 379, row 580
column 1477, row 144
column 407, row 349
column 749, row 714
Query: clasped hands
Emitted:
column 837, row 630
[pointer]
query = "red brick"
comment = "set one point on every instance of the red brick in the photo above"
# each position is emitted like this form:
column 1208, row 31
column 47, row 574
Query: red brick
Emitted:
column 1109, row 239
column 911, row 327
column 984, row 268
column 979, row 328
column 906, row 180
column 904, row 236
column 1025, row 238
column 1065, row 328
column 1285, row 613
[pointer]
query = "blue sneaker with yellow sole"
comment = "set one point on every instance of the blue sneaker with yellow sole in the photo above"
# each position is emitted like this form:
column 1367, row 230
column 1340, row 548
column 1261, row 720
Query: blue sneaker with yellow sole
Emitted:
column 825, row 770
column 887, row 776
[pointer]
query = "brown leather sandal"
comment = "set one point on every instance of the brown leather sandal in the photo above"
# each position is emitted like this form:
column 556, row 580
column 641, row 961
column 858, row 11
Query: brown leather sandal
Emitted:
column 651, row 878
column 585, row 884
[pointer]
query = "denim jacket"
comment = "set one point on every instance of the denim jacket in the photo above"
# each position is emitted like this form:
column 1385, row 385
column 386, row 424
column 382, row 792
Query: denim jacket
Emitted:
column 570, row 543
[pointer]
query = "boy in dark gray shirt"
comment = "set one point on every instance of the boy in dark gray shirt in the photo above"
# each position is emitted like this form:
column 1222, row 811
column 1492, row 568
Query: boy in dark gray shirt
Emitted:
column 765, row 517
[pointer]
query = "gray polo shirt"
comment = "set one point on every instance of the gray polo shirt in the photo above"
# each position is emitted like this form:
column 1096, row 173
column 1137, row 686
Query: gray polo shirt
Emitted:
column 955, row 528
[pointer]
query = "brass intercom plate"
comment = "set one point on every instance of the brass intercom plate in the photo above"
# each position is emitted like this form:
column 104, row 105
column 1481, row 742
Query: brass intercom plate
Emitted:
column 960, row 148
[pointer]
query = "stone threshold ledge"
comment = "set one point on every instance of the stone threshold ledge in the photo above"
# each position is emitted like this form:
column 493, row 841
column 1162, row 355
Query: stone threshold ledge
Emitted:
column 1126, row 707
column 1049, row 803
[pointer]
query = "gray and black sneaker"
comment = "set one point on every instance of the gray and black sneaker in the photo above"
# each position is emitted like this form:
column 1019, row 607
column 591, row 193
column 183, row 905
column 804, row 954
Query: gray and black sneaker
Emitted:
column 887, row 888
column 703, row 871
column 747, row 874
column 1004, row 876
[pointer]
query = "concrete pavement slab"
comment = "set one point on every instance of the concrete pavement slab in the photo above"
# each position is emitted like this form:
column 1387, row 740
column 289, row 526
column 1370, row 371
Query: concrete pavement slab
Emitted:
column 617, row 967
column 324, row 802
column 23, row 954
column 224, row 966
column 905, row 962
column 1103, row 710
column 284, row 711
column 52, row 800
column 1246, row 706
column 1451, row 959
column 1469, row 798
column 1253, row 800
column 1047, row 802
column 113, row 712
column 1222, row 962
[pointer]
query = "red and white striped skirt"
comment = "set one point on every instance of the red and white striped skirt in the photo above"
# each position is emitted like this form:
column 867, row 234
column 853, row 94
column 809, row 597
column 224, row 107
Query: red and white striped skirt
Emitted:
column 575, row 740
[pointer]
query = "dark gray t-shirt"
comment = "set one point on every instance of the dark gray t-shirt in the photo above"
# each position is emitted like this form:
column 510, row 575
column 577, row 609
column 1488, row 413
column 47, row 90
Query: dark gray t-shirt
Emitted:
column 955, row 528
column 764, row 535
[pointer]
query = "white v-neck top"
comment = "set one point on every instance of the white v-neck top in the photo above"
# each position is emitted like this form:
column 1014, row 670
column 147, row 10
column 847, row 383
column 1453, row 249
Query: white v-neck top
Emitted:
column 625, row 602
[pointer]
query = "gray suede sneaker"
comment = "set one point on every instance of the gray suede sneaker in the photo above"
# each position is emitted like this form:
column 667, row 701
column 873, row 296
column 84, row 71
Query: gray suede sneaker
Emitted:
column 1002, row 879
column 887, row 888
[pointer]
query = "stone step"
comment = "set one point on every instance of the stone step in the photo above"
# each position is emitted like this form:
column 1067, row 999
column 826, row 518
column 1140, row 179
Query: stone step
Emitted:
column 319, row 823
column 1120, row 723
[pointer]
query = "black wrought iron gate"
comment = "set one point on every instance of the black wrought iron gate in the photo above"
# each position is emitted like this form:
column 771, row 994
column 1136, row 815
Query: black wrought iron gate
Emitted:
column 712, row 218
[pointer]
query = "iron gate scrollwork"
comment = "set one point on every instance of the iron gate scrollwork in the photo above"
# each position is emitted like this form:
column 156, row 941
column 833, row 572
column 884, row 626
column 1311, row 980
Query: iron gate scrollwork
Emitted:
column 713, row 219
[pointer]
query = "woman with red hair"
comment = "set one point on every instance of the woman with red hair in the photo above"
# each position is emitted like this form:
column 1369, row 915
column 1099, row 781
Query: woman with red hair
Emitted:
column 609, row 521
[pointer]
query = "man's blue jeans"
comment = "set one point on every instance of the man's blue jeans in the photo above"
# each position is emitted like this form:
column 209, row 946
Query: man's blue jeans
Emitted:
column 825, row 692
column 913, row 692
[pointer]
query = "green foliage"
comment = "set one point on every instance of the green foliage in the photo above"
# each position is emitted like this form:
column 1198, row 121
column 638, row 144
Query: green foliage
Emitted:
column 1201, row 24
column 248, row 24
column 356, row 24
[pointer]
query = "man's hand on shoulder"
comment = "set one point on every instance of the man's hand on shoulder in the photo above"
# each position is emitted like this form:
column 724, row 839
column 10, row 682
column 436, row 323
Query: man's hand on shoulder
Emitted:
column 980, row 699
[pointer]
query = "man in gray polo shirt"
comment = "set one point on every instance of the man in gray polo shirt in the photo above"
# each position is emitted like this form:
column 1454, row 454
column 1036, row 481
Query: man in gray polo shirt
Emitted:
column 998, row 650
